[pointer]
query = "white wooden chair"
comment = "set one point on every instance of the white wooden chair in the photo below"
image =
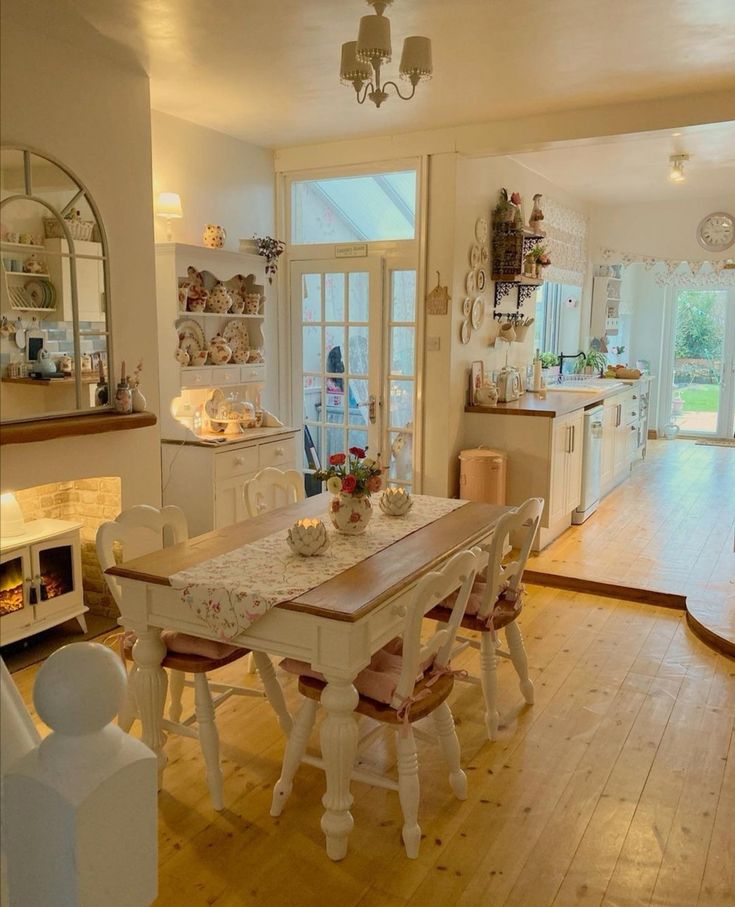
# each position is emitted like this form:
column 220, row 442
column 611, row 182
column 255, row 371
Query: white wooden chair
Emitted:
column 138, row 531
column 495, row 603
column 271, row 489
column 404, row 683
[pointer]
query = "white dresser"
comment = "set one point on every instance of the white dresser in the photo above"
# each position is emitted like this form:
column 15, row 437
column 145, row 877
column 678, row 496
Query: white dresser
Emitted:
column 207, row 482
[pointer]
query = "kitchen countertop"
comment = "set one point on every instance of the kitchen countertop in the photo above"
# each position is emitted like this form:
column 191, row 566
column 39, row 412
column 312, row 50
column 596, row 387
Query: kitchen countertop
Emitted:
column 548, row 404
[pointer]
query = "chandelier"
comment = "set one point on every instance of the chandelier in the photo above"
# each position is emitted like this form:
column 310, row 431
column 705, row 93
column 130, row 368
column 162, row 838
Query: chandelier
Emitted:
column 362, row 59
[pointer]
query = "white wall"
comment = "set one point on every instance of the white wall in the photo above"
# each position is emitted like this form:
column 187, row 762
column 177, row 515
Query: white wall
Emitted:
column 82, row 103
column 221, row 180
column 475, row 184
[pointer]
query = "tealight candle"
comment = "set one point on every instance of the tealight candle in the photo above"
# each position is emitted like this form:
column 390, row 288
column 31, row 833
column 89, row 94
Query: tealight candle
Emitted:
column 396, row 502
column 308, row 537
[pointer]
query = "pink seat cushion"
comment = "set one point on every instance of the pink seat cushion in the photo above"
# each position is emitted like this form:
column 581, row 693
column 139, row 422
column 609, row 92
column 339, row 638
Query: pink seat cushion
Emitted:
column 474, row 602
column 377, row 681
column 184, row 644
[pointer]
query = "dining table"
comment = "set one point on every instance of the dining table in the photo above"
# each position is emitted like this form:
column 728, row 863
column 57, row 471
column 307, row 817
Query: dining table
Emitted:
column 336, row 626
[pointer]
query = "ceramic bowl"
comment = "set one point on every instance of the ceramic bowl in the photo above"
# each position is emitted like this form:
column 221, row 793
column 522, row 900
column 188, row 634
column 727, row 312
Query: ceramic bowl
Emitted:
column 256, row 356
column 196, row 303
column 199, row 358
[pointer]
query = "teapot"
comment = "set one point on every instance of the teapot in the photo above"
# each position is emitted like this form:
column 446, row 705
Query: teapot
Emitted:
column 219, row 350
column 44, row 364
column 486, row 394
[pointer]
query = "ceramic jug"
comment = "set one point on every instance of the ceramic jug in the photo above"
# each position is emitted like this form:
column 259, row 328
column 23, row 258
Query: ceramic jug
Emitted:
column 219, row 351
column 214, row 236
column 220, row 300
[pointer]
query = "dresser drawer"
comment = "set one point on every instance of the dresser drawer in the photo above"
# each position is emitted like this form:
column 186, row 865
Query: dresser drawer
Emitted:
column 196, row 377
column 254, row 372
column 278, row 453
column 227, row 374
column 231, row 463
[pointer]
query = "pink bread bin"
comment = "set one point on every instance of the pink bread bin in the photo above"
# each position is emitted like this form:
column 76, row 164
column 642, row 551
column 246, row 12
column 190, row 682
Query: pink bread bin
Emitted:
column 482, row 475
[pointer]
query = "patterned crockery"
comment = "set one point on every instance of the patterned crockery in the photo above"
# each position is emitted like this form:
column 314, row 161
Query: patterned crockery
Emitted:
column 182, row 357
column 252, row 303
column 238, row 304
column 219, row 351
column 220, row 300
column 214, row 236
column 199, row 358
column 256, row 356
column 197, row 302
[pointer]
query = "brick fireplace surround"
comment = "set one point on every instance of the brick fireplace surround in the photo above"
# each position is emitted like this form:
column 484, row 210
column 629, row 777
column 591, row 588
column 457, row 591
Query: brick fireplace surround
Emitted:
column 87, row 501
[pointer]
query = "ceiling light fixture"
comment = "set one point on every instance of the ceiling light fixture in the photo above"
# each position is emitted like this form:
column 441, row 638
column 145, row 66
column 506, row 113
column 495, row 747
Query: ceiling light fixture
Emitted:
column 677, row 161
column 362, row 59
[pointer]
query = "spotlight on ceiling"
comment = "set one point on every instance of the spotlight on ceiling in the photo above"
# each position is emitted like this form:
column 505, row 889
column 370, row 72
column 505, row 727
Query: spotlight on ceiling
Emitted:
column 676, row 162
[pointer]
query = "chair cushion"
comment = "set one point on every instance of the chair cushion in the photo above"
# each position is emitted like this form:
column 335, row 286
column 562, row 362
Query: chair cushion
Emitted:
column 183, row 644
column 505, row 602
column 377, row 681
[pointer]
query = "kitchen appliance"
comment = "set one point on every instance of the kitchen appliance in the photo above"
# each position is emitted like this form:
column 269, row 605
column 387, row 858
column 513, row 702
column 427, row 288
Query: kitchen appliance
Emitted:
column 509, row 384
column 591, row 465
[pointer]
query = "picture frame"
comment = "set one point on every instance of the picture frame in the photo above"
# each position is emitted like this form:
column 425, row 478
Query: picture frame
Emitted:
column 477, row 379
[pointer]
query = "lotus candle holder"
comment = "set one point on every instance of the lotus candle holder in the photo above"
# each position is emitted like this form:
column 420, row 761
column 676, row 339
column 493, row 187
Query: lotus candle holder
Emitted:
column 308, row 537
column 396, row 502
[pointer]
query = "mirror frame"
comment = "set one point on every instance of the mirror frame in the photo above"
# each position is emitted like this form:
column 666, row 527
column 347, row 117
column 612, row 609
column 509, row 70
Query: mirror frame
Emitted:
column 28, row 195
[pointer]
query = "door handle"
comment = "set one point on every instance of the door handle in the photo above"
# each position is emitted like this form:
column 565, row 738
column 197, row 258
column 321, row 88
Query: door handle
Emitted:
column 370, row 404
column 574, row 438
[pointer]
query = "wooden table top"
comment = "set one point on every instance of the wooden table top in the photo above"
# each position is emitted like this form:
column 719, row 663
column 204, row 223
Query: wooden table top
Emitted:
column 352, row 593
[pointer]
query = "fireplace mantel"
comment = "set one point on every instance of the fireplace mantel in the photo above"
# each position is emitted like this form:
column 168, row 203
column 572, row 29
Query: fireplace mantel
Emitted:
column 68, row 426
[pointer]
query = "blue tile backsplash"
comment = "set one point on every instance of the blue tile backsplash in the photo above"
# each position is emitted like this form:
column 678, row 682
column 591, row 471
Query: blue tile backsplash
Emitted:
column 58, row 340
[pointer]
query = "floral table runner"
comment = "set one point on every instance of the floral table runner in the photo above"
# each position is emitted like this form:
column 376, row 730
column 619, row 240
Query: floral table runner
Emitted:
column 231, row 591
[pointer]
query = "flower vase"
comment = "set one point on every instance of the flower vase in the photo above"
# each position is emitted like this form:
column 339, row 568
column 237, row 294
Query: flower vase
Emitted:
column 350, row 513
column 138, row 400
column 539, row 271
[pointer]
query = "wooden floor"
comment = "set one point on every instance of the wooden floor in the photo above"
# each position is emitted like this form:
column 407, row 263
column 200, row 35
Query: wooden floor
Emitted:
column 670, row 528
column 617, row 787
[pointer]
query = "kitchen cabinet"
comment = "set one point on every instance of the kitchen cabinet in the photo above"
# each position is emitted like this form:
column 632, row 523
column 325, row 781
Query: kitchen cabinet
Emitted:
column 620, row 433
column 605, row 315
column 207, row 482
column 40, row 579
column 566, row 466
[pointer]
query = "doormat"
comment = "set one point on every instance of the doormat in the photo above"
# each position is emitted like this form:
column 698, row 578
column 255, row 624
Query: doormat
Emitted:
column 718, row 442
column 32, row 649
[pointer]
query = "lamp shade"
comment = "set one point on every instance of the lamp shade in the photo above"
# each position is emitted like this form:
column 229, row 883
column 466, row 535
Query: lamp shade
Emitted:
column 373, row 39
column 351, row 69
column 416, row 58
column 11, row 516
column 168, row 204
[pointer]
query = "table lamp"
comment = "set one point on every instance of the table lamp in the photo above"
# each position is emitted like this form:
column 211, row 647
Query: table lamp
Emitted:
column 168, row 206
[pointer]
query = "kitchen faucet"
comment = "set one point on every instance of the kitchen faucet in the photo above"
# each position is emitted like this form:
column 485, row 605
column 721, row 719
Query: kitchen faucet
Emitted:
column 562, row 357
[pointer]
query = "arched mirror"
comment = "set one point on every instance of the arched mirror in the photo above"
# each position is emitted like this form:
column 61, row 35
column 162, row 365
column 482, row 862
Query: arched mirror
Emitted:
column 55, row 351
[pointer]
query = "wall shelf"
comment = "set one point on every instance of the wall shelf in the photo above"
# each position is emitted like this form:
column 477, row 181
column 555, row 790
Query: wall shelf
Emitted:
column 68, row 426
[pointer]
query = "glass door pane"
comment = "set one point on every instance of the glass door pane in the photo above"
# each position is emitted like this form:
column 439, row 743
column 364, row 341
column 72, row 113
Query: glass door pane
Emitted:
column 16, row 607
column 699, row 346
column 400, row 378
column 339, row 358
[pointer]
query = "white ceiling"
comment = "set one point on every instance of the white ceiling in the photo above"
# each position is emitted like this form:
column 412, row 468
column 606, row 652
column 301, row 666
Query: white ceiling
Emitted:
column 635, row 168
column 266, row 71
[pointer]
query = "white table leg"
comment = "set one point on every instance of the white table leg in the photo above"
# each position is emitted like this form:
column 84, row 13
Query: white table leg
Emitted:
column 150, row 691
column 339, row 750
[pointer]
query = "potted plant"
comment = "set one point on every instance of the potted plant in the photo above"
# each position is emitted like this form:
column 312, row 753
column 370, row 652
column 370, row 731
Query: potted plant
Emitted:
column 594, row 360
column 270, row 248
column 549, row 364
column 351, row 477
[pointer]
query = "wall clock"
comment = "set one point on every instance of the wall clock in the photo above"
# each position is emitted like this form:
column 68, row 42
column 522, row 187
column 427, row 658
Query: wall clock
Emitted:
column 716, row 232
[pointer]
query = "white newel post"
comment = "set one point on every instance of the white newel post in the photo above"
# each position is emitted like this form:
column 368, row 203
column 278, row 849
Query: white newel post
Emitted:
column 80, row 808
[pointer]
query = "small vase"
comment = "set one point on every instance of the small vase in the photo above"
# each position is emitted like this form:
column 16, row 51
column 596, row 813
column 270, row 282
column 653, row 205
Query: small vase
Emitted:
column 350, row 513
column 138, row 401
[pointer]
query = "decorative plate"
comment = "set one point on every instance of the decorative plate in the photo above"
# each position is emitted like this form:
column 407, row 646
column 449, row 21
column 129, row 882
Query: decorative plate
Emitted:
column 191, row 336
column 465, row 332
column 478, row 312
column 470, row 284
column 37, row 292
column 466, row 307
column 481, row 230
column 475, row 256
column 481, row 280
column 238, row 339
column 484, row 255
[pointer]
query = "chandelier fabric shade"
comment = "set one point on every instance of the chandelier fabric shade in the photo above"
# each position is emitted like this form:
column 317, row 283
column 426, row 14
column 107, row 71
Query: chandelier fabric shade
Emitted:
column 362, row 60
column 373, row 39
column 351, row 69
column 416, row 58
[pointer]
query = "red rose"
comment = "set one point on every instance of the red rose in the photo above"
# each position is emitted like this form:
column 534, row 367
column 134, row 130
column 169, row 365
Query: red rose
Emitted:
column 358, row 452
column 516, row 198
column 337, row 459
column 349, row 484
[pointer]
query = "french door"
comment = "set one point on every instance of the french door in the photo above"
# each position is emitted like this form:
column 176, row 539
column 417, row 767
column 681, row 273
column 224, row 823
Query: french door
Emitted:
column 355, row 362
column 702, row 361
